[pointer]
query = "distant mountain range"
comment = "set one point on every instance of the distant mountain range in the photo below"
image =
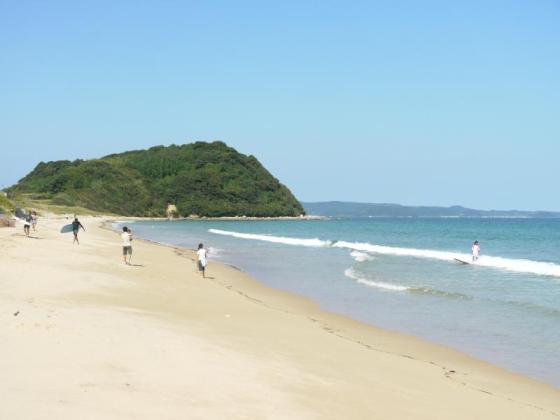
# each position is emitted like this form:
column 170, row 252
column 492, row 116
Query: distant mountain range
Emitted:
column 349, row 209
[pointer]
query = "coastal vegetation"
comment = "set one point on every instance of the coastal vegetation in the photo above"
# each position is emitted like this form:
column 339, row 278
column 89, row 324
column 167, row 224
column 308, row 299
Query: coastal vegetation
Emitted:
column 204, row 179
column 5, row 204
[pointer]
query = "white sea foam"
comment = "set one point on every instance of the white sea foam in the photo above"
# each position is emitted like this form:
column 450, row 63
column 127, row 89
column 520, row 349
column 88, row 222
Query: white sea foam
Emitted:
column 214, row 252
column 351, row 273
column 118, row 223
column 317, row 243
column 508, row 264
column 404, row 252
column 361, row 256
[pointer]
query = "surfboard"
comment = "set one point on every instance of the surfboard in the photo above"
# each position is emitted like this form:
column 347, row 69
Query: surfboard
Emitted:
column 461, row 261
column 20, row 220
column 20, row 214
column 66, row 228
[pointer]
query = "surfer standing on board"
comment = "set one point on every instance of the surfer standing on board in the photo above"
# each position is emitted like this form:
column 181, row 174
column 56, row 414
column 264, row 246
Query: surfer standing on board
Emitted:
column 475, row 250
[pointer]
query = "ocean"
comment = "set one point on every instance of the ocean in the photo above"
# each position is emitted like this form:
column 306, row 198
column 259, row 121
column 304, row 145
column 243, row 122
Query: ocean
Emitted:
column 400, row 274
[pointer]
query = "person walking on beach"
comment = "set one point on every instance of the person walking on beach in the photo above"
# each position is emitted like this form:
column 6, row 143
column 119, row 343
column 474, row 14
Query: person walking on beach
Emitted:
column 127, row 246
column 202, row 255
column 76, row 225
column 34, row 220
column 27, row 224
column 475, row 250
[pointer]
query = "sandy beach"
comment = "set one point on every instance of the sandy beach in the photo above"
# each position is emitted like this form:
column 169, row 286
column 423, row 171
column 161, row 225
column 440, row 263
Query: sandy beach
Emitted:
column 86, row 337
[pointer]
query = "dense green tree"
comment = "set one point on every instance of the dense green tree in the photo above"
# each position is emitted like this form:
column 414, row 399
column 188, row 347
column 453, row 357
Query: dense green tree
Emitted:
column 206, row 179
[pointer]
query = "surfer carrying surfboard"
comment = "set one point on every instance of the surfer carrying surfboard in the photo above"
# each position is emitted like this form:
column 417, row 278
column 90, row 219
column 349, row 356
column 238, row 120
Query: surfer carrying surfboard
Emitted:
column 76, row 225
column 475, row 250
column 27, row 224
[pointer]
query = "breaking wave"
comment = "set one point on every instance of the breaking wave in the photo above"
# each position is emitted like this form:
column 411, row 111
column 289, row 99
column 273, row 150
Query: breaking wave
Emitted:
column 317, row 243
column 351, row 273
column 365, row 248
column 361, row 256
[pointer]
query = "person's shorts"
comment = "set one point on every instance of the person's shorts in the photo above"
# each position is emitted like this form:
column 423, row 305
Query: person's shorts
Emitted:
column 201, row 266
column 127, row 250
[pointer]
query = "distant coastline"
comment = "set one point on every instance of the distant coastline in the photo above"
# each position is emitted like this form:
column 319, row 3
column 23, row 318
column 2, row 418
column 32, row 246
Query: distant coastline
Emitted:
column 353, row 209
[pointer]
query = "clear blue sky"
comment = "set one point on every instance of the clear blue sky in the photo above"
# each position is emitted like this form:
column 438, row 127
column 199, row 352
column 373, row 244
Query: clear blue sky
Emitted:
column 433, row 102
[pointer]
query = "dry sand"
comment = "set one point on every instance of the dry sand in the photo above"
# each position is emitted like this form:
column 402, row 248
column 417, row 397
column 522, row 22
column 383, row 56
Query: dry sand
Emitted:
column 83, row 336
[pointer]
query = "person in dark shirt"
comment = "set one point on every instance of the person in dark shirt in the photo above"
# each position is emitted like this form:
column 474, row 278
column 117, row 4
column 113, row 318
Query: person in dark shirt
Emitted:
column 76, row 225
column 27, row 224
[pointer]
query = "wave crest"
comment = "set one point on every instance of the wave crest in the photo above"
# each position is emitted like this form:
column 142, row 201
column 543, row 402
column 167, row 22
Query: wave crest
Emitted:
column 317, row 243
column 509, row 264
column 361, row 256
column 351, row 273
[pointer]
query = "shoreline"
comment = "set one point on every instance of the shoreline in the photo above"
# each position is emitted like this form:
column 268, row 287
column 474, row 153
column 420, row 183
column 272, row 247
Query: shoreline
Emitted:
column 518, row 350
column 234, row 218
column 314, row 363
column 107, row 224
column 346, row 318
column 342, row 314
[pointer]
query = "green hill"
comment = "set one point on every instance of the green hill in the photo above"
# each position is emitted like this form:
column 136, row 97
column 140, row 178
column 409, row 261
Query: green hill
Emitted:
column 206, row 179
column 5, row 204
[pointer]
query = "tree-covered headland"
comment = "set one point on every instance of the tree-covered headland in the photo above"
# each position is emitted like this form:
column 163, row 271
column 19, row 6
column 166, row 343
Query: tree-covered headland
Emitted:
column 204, row 179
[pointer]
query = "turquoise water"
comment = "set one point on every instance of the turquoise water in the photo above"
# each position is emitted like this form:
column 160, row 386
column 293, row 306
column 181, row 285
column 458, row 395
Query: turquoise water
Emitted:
column 400, row 274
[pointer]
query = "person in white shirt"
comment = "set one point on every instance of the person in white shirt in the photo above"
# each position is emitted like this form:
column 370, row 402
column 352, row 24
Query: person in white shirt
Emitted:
column 475, row 250
column 202, row 255
column 127, row 246
column 34, row 220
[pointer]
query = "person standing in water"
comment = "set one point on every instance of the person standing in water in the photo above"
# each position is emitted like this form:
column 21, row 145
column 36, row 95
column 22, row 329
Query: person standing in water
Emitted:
column 475, row 250
column 202, row 255
column 127, row 246
column 76, row 225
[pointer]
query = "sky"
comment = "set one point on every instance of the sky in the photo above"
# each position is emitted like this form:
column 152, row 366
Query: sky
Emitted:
column 420, row 103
